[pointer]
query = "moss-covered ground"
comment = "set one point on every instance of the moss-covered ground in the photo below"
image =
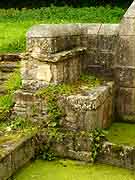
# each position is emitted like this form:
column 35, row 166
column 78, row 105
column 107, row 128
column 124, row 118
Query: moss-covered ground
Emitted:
column 122, row 133
column 71, row 170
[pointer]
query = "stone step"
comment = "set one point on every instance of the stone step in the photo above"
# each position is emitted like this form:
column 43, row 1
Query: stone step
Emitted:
column 15, row 150
column 10, row 57
column 119, row 149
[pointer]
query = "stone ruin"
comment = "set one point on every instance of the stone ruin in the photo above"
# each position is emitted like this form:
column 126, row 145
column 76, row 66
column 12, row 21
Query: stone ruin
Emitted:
column 59, row 54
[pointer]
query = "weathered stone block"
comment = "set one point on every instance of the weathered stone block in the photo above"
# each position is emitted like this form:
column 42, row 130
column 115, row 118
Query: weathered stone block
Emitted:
column 16, row 155
column 60, row 67
column 125, row 53
column 125, row 76
column 127, row 26
column 125, row 103
column 89, row 111
column 117, row 155
column 107, row 42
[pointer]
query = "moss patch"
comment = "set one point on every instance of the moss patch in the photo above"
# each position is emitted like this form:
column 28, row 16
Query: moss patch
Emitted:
column 71, row 170
column 6, row 101
column 86, row 82
column 122, row 133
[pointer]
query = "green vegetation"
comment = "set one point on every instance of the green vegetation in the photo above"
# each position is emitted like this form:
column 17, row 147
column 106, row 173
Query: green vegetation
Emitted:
column 71, row 170
column 17, row 125
column 13, row 132
column 6, row 101
column 52, row 93
column 14, row 82
column 15, row 23
column 122, row 133
column 52, row 125
column 86, row 82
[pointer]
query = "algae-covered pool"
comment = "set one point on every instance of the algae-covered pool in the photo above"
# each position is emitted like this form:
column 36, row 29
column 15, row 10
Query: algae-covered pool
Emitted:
column 71, row 170
column 122, row 133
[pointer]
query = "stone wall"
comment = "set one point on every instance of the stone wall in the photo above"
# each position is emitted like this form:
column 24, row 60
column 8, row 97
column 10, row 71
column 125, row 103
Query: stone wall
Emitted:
column 117, row 155
column 125, row 67
column 84, row 111
column 60, row 53
column 101, row 41
column 16, row 155
column 8, row 63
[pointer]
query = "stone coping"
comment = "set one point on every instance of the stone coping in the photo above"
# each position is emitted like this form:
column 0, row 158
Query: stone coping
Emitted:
column 92, row 99
column 9, row 146
column 117, row 155
column 60, row 30
column 61, row 56
column 53, row 30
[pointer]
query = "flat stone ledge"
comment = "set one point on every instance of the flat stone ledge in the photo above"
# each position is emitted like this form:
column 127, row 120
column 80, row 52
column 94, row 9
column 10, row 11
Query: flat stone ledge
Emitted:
column 59, row 30
column 53, row 30
column 117, row 155
column 61, row 56
column 90, row 29
column 10, row 57
column 92, row 99
column 16, row 155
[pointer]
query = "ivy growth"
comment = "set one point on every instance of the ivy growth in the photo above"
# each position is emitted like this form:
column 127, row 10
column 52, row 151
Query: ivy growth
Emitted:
column 98, row 136
column 51, row 95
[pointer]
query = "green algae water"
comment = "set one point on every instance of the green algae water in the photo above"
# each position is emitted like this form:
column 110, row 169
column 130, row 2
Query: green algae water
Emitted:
column 122, row 133
column 71, row 170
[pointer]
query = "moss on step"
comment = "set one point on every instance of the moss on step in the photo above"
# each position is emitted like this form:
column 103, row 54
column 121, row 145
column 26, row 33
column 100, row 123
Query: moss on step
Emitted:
column 122, row 133
column 9, row 138
column 71, row 170
column 86, row 82
column 11, row 133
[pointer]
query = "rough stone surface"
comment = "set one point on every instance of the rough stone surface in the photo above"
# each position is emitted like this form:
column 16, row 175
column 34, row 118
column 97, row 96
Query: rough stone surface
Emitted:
column 87, row 111
column 125, row 66
column 15, row 156
column 117, row 155
column 50, row 44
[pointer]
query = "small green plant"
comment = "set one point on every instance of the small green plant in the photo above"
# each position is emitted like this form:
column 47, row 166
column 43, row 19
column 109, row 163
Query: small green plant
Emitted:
column 46, row 154
column 51, row 95
column 90, row 80
column 6, row 101
column 20, row 123
column 54, row 113
column 14, row 82
column 98, row 135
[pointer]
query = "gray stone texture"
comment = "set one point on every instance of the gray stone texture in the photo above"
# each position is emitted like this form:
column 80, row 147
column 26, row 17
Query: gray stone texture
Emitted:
column 125, row 66
column 87, row 111
column 15, row 156
column 78, row 46
column 117, row 155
